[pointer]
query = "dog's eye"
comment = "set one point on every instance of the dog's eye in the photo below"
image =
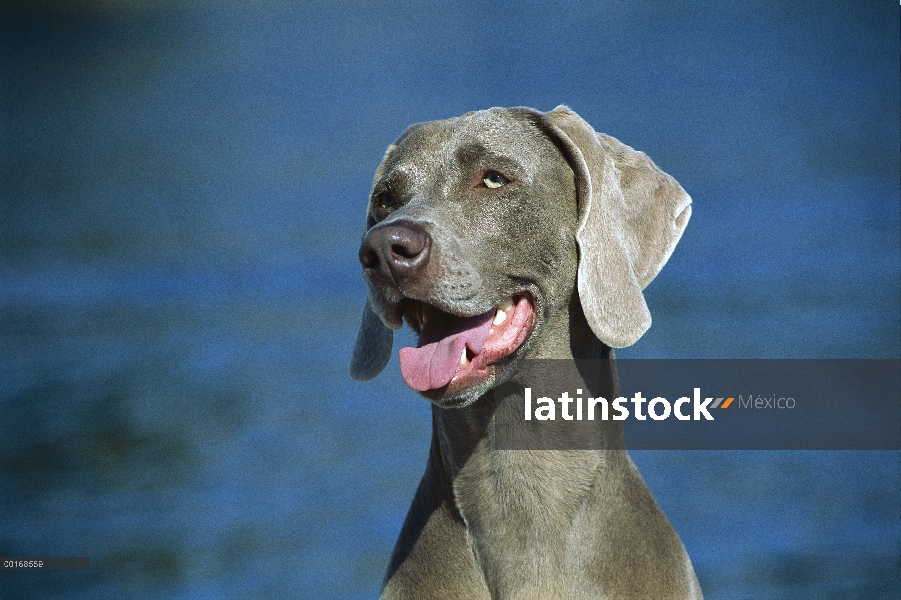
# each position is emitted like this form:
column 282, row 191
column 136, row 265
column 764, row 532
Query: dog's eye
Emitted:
column 495, row 180
column 386, row 200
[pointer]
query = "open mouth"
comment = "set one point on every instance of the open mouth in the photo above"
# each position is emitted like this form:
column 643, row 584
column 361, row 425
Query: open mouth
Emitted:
column 455, row 352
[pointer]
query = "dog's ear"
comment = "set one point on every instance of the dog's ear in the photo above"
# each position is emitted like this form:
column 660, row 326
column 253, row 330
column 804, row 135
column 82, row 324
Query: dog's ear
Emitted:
column 631, row 215
column 373, row 348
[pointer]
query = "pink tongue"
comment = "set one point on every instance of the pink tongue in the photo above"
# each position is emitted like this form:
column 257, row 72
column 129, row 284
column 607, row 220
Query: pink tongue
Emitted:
column 433, row 364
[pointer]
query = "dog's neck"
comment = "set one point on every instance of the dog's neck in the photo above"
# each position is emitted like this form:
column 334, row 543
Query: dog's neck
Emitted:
column 465, row 432
column 511, row 498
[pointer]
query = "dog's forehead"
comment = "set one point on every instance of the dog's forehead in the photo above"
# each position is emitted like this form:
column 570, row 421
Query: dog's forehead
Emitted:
column 498, row 132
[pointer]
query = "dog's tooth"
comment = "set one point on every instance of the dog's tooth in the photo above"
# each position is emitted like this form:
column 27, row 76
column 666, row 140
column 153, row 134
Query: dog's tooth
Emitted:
column 506, row 305
column 499, row 318
column 463, row 361
column 424, row 311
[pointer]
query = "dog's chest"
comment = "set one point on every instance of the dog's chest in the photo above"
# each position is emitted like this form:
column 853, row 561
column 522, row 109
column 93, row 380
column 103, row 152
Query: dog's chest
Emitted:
column 520, row 509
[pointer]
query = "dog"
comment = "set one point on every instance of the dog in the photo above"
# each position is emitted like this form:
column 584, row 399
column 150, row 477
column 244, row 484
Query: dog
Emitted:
column 500, row 236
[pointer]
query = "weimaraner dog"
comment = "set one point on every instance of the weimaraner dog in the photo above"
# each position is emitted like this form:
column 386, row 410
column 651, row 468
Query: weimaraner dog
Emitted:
column 500, row 236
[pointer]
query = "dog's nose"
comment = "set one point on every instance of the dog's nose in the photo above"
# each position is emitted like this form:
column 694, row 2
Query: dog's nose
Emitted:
column 399, row 251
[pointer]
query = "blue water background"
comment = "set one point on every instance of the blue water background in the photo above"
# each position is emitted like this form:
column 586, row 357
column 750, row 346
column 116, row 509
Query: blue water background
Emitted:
column 182, row 190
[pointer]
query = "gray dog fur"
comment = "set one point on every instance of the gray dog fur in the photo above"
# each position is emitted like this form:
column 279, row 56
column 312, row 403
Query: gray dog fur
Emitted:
column 581, row 226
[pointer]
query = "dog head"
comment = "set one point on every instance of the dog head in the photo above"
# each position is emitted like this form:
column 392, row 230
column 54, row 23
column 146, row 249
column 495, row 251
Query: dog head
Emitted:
column 480, row 231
